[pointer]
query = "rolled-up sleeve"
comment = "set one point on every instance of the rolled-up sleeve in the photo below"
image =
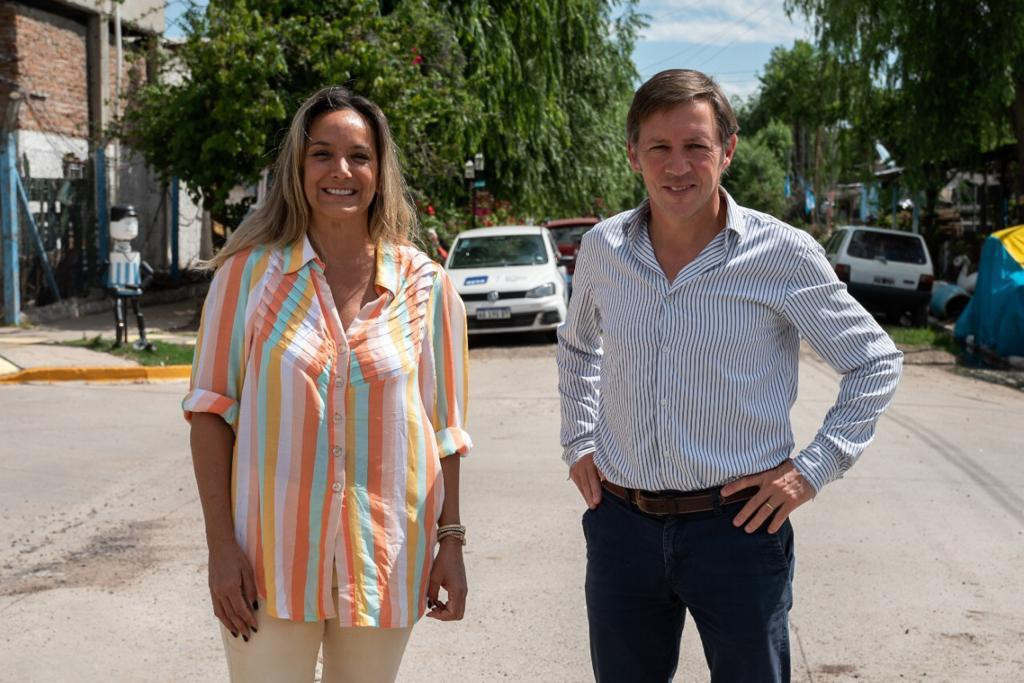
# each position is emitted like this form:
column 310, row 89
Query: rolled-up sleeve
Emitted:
column 847, row 338
column 444, row 368
column 218, row 365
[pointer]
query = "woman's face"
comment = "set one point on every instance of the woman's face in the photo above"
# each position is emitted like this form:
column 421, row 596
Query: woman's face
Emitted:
column 340, row 167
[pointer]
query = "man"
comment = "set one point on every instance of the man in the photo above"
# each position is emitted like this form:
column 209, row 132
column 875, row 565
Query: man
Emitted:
column 677, row 370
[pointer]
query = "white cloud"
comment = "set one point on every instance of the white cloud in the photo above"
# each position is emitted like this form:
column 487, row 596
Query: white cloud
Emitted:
column 721, row 22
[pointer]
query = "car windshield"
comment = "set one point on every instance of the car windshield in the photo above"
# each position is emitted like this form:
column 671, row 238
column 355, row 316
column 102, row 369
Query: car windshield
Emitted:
column 499, row 250
column 569, row 235
column 880, row 245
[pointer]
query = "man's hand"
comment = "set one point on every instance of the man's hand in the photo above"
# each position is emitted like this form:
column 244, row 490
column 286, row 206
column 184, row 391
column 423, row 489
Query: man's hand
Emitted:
column 780, row 491
column 587, row 477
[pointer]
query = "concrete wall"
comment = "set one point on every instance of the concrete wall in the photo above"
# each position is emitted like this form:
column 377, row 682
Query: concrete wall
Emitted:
column 147, row 15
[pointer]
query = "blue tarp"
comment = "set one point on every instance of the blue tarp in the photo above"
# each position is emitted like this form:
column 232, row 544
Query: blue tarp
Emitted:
column 995, row 315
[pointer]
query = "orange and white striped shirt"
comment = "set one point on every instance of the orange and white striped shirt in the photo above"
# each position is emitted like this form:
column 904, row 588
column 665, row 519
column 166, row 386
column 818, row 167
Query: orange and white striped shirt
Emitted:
column 338, row 435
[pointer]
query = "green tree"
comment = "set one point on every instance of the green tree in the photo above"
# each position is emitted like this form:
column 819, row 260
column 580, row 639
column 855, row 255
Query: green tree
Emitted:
column 757, row 175
column 541, row 88
column 215, row 121
column 947, row 77
column 807, row 89
column 555, row 89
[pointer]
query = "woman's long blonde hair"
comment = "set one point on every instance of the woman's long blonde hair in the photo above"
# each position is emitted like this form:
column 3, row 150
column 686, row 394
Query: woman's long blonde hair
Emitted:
column 284, row 215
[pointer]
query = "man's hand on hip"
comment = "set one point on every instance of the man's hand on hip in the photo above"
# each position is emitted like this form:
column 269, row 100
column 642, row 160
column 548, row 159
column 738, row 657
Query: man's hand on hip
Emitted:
column 780, row 490
column 587, row 477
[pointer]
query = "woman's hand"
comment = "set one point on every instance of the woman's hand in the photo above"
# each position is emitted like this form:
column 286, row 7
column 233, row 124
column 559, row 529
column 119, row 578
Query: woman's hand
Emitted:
column 233, row 589
column 448, row 572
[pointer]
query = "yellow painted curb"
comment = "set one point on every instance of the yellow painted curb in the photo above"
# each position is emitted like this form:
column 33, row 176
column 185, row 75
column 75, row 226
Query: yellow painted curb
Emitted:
column 114, row 374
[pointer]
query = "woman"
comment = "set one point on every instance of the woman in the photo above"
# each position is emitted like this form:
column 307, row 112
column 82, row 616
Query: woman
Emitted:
column 328, row 394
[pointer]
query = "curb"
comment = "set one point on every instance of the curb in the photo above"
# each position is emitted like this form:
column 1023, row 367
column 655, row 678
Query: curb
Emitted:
column 99, row 374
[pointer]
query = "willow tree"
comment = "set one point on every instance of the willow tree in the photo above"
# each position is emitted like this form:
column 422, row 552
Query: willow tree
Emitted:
column 554, row 79
column 540, row 87
column 948, row 77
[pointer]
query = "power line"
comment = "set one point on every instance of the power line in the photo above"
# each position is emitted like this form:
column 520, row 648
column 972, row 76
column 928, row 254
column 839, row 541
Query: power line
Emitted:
column 732, row 42
column 713, row 41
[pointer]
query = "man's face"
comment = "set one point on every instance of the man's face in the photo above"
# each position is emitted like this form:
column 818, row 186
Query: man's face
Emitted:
column 681, row 159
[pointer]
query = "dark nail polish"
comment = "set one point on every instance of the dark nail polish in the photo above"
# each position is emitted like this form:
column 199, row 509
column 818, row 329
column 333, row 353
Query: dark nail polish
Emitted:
column 255, row 605
column 234, row 634
column 255, row 630
column 245, row 638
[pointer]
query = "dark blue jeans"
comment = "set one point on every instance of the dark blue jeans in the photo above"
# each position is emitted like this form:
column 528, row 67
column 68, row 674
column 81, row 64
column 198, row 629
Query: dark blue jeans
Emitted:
column 645, row 572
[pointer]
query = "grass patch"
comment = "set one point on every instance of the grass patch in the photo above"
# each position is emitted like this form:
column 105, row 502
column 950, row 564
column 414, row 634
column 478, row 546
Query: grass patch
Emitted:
column 923, row 337
column 163, row 353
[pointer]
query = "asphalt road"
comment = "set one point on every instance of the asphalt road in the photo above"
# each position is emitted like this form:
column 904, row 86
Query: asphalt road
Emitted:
column 909, row 568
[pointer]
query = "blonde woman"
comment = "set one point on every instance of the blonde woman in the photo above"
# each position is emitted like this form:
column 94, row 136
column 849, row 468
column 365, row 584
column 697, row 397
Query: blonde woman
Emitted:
column 327, row 406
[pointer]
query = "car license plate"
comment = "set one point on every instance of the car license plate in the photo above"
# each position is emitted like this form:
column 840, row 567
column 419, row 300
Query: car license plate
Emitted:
column 884, row 281
column 493, row 313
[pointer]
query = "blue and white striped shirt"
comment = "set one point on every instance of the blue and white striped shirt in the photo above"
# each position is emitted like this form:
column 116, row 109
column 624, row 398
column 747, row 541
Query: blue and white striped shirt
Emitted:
column 688, row 384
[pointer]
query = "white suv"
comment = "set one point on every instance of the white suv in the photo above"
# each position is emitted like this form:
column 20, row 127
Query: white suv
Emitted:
column 885, row 270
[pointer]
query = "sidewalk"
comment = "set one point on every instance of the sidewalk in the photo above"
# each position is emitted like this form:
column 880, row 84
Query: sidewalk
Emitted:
column 37, row 353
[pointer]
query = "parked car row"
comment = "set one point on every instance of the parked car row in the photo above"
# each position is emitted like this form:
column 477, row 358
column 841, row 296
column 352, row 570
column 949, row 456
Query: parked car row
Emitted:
column 518, row 278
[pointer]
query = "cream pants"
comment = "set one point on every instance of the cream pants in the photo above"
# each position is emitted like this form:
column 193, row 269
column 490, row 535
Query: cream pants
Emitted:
column 285, row 651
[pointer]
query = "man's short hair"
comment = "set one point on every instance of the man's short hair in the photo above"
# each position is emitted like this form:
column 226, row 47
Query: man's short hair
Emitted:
column 673, row 87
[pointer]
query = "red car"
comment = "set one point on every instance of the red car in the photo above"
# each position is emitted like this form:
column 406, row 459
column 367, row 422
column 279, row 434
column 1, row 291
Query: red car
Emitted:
column 567, row 233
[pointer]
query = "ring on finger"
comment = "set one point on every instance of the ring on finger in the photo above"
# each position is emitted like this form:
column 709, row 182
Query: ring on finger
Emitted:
column 769, row 506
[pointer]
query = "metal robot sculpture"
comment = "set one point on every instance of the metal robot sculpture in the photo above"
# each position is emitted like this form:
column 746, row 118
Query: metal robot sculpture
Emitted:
column 128, row 274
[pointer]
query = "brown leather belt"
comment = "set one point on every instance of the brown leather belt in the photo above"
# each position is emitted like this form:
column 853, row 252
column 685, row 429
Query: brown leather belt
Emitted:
column 676, row 504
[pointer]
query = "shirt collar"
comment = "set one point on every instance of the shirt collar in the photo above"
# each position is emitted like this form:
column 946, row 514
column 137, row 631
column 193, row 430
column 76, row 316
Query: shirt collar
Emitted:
column 733, row 216
column 298, row 254
column 301, row 252
column 387, row 267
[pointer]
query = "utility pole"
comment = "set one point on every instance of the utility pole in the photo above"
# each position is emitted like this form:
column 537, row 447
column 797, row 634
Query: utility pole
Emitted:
column 9, row 210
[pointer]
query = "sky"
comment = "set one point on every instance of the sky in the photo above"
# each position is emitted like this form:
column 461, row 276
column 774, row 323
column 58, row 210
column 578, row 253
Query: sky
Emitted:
column 728, row 39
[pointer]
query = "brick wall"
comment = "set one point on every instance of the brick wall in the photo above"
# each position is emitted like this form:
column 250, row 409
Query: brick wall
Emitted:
column 51, row 53
column 8, row 53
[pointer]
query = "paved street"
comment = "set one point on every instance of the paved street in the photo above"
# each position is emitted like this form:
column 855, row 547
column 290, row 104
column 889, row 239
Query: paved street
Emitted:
column 909, row 568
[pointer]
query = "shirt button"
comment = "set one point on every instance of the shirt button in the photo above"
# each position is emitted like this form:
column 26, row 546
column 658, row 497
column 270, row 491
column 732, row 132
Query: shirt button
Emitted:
column 664, row 402
column 664, row 349
column 339, row 381
column 338, row 450
column 336, row 486
column 337, row 417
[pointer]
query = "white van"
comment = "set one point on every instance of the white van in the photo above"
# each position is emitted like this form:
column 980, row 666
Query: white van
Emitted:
column 885, row 270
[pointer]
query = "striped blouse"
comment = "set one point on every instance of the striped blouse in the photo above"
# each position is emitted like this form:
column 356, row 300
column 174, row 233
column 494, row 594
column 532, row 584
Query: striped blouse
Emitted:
column 338, row 435
column 688, row 384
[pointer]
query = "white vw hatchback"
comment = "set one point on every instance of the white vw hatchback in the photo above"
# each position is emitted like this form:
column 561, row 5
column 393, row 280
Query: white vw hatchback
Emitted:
column 511, row 279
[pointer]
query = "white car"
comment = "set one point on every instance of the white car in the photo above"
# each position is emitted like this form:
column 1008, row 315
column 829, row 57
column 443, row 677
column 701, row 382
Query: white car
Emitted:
column 885, row 270
column 511, row 279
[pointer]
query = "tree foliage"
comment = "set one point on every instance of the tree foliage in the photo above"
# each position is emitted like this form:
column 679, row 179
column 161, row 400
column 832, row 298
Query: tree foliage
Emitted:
column 540, row 88
column 941, row 82
column 757, row 174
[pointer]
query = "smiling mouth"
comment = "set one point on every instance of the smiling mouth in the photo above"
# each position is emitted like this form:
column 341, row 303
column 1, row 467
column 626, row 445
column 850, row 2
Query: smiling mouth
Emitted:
column 680, row 188
column 339, row 193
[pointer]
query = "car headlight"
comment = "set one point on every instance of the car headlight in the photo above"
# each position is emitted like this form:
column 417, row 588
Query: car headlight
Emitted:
column 547, row 289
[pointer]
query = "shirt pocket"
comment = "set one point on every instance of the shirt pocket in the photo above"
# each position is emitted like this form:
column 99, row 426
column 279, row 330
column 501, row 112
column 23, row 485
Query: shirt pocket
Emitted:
column 389, row 346
column 297, row 340
column 382, row 356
